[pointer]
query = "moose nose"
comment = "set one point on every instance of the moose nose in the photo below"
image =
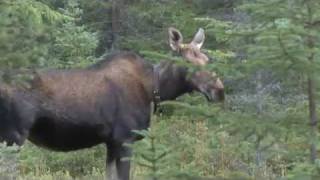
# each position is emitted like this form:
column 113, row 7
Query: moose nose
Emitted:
column 219, row 95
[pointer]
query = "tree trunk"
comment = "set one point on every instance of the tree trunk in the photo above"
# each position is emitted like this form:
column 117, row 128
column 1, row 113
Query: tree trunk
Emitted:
column 117, row 8
column 312, row 92
column 313, row 119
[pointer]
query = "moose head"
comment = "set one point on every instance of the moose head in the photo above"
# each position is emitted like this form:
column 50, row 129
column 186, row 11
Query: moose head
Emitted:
column 191, row 51
column 203, row 81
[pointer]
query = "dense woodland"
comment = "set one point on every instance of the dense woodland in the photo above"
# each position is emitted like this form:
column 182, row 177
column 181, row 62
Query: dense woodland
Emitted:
column 266, row 51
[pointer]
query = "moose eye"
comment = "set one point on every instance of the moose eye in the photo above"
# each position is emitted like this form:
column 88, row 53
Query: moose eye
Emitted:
column 195, row 54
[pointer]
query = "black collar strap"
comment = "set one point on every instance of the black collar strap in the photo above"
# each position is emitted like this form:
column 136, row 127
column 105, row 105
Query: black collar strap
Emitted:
column 156, row 89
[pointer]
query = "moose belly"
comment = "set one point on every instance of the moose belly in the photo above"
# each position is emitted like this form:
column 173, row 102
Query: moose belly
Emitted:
column 65, row 136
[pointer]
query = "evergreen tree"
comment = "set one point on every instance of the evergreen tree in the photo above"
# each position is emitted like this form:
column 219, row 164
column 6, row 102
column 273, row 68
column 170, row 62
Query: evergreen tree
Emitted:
column 34, row 34
column 285, row 40
column 25, row 27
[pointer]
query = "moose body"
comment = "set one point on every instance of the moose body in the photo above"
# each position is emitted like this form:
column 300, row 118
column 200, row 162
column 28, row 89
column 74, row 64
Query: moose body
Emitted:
column 66, row 110
column 91, row 106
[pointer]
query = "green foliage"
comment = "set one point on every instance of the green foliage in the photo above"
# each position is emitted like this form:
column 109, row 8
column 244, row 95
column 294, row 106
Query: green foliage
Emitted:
column 37, row 162
column 73, row 45
column 24, row 27
column 282, row 42
column 153, row 156
column 33, row 34
column 157, row 17
column 8, row 161
column 281, row 35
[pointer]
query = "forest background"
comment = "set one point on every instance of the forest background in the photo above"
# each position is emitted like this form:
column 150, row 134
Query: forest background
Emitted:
column 267, row 53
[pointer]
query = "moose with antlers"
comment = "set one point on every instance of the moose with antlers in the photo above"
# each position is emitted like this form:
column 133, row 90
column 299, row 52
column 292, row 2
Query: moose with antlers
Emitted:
column 67, row 110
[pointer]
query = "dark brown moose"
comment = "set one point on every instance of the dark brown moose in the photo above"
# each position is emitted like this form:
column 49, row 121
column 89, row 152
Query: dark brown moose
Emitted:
column 66, row 110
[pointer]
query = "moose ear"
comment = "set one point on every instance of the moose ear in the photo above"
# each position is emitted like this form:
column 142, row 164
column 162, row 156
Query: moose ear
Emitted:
column 175, row 38
column 198, row 38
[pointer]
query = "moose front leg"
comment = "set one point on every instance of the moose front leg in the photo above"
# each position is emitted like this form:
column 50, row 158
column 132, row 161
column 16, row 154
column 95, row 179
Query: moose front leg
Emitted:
column 123, row 165
column 118, row 168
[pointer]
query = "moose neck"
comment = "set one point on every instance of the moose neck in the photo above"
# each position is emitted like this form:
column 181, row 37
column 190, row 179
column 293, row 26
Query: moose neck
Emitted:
column 172, row 80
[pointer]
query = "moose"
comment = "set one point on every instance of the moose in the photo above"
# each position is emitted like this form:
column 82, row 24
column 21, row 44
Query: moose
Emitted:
column 65, row 110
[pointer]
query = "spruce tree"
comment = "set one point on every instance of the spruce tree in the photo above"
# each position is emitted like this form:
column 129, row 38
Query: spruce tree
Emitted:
column 284, row 38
